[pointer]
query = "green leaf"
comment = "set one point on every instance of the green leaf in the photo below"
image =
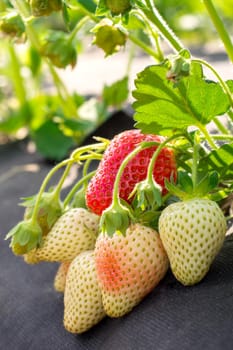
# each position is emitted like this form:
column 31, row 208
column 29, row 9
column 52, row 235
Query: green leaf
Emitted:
column 65, row 15
column 206, row 184
column 190, row 102
column 88, row 4
column 51, row 141
column 219, row 160
column 117, row 93
column 185, row 181
column 101, row 9
column 230, row 85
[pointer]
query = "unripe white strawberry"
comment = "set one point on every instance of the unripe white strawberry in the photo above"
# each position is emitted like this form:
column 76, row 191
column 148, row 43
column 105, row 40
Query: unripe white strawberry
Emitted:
column 74, row 232
column 82, row 298
column 192, row 233
column 60, row 277
column 129, row 267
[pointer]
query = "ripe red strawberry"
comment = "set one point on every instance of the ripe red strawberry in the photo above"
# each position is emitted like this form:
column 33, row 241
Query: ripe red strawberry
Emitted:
column 99, row 191
column 192, row 232
column 82, row 298
column 129, row 267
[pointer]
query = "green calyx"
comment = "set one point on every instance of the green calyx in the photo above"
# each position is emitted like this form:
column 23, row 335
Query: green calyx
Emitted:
column 58, row 48
column 79, row 200
column 116, row 218
column 11, row 24
column 41, row 8
column 179, row 65
column 25, row 236
column 109, row 37
column 186, row 189
column 148, row 195
column 49, row 210
column 118, row 7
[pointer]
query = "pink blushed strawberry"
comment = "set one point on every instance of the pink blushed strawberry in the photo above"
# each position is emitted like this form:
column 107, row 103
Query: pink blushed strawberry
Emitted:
column 129, row 267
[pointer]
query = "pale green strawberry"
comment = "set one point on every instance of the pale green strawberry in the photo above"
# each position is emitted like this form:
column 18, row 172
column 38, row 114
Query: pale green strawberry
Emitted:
column 74, row 232
column 128, row 267
column 60, row 277
column 82, row 298
column 192, row 233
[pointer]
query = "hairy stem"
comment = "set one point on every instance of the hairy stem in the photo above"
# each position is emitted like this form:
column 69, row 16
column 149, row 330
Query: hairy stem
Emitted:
column 218, row 23
column 153, row 15
column 44, row 185
column 72, row 192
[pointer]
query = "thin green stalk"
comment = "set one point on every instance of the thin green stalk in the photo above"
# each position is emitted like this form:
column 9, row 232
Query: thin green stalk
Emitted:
column 156, row 153
column 44, row 184
column 62, row 179
column 153, row 33
column 87, row 149
column 224, row 137
column 127, row 159
column 143, row 46
column 76, row 187
column 23, row 9
column 196, row 148
column 130, row 59
column 153, row 15
column 218, row 23
column 16, row 77
column 82, row 9
column 76, row 29
column 67, row 101
column 220, row 126
column 207, row 136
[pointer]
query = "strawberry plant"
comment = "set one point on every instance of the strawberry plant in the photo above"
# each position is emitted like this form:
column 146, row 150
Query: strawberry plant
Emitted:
column 159, row 194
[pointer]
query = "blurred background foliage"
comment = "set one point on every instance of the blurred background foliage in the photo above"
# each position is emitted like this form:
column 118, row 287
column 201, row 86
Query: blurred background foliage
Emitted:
column 34, row 101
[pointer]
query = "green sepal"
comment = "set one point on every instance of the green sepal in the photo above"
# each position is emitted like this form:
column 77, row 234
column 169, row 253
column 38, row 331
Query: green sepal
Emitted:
column 50, row 209
column 115, row 7
column 148, row 218
column 148, row 194
column 206, row 184
column 115, row 218
column 185, row 189
column 179, row 65
column 11, row 24
column 101, row 9
column 25, row 236
column 108, row 36
column 79, row 199
column 41, row 8
column 59, row 49
column 185, row 181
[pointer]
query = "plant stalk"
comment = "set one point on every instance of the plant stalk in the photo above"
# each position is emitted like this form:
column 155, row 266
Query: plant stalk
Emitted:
column 154, row 16
column 218, row 23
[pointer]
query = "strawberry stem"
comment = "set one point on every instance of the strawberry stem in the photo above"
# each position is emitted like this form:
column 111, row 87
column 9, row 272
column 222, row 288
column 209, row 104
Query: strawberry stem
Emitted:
column 76, row 187
column 44, row 184
column 154, row 16
column 143, row 145
column 207, row 136
column 196, row 148
column 218, row 23
column 155, row 155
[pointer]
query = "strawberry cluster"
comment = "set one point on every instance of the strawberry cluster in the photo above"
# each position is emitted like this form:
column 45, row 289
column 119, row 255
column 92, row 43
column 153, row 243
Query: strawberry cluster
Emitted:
column 118, row 245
